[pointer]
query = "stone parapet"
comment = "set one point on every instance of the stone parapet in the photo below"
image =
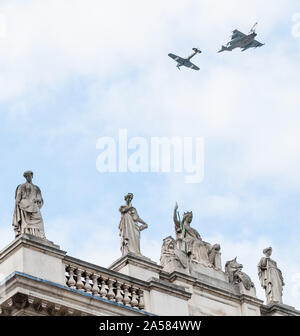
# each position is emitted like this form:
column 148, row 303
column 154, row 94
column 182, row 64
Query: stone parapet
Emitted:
column 38, row 278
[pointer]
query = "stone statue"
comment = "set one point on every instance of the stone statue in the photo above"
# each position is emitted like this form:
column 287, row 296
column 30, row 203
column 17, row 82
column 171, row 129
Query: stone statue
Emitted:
column 214, row 255
column 27, row 217
column 129, row 228
column 171, row 257
column 234, row 271
column 270, row 277
column 189, row 240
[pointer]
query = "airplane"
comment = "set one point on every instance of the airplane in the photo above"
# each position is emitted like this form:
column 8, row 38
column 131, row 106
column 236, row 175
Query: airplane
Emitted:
column 243, row 41
column 186, row 61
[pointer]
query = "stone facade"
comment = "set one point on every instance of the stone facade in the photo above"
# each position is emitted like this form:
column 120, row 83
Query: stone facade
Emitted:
column 38, row 278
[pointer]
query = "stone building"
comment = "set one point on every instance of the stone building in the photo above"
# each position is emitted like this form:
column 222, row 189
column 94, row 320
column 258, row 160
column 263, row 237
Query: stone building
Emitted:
column 38, row 278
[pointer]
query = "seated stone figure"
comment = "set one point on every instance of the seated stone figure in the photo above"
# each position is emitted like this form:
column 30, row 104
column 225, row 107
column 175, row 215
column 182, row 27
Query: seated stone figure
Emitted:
column 189, row 239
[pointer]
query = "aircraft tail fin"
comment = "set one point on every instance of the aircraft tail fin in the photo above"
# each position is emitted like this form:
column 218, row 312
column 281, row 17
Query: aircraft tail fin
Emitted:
column 197, row 50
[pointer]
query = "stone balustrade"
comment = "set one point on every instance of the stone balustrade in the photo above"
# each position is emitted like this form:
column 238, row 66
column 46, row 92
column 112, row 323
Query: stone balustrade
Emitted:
column 103, row 285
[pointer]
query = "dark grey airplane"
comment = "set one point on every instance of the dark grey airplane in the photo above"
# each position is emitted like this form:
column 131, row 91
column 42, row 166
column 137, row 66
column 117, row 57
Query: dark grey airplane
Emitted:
column 186, row 61
column 241, row 40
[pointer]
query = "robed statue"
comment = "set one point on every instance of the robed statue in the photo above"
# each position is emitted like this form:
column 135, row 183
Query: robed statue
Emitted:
column 129, row 227
column 27, row 217
column 270, row 277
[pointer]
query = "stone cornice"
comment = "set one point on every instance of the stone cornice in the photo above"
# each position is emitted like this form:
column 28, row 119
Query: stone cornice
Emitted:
column 169, row 288
column 279, row 308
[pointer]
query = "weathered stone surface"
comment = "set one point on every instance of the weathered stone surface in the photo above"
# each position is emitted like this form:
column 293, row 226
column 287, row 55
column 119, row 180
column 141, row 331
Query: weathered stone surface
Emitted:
column 197, row 269
column 136, row 266
column 34, row 256
column 42, row 280
column 215, row 297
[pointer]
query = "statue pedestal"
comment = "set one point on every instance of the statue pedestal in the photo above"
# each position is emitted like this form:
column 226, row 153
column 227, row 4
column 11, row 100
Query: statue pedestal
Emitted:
column 163, row 298
column 33, row 256
column 197, row 269
column 244, row 291
column 136, row 266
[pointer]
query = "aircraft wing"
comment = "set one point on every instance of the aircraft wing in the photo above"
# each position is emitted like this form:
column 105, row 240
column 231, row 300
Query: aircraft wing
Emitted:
column 176, row 58
column 237, row 34
column 256, row 44
column 191, row 65
column 253, row 44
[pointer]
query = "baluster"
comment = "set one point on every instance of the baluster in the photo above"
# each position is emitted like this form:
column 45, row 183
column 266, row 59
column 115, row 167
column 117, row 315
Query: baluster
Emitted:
column 111, row 294
column 119, row 296
column 71, row 282
column 87, row 286
column 67, row 274
column 103, row 291
column 95, row 289
column 141, row 299
column 126, row 299
column 79, row 283
column 134, row 301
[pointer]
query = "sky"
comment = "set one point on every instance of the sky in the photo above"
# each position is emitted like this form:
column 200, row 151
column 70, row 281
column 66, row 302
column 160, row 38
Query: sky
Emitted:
column 72, row 72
